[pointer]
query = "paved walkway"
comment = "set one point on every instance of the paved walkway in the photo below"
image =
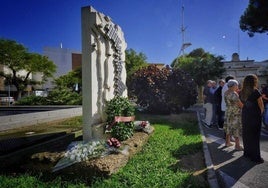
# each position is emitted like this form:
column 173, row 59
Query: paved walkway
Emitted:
column 226, row 166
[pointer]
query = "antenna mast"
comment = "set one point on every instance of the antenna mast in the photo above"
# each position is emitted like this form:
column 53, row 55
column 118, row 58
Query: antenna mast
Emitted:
column 238, row 43
column 182, row 28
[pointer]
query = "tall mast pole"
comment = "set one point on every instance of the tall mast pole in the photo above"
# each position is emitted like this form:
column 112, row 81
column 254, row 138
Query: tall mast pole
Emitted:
column 238, row 42
column 182, row 28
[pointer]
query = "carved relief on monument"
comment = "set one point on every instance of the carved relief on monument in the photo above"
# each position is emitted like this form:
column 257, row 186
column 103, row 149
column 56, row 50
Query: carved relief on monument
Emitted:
column 109, row 46
column 103, row 63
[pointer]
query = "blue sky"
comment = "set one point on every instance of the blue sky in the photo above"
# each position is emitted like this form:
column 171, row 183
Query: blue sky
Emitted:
column 152, row 27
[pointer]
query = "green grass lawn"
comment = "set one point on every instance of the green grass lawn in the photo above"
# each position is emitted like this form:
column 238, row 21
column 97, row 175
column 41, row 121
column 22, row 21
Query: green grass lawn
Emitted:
column 172, row 158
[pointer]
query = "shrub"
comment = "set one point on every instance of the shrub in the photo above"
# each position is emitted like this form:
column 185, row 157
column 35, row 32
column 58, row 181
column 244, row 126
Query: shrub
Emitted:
column 122, row 130
column 64, row 97
column 120, row 106
column 55, row 97
column 182, row 91
column 163, row 90
column 32, row 100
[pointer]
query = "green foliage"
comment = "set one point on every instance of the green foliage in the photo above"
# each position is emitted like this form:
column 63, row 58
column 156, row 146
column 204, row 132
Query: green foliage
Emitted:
column 64, row 97
column 69, row 80
column 55, row 97
column 32, row 100
column 120, row 106
column 181, row 91
column 25, row 181
column 63, row 94
column 122, row 130
column 134, row 61
column 255, row 17
column 164, row 90
column 16, row 58
column 157, row 164
column 200, row 65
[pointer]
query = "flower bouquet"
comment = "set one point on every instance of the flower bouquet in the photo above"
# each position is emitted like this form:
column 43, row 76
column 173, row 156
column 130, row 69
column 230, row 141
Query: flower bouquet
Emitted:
column 143, row 126
column 82, row 151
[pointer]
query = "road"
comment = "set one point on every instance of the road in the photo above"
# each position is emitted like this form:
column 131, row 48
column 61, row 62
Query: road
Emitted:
column 229, row 165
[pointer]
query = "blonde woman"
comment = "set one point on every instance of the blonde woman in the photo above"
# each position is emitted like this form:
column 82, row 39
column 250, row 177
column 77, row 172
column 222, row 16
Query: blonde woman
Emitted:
column 251, row 118
column 232, row 123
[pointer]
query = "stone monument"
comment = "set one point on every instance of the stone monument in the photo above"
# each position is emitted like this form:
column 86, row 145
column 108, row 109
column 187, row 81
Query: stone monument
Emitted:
column 103, row 68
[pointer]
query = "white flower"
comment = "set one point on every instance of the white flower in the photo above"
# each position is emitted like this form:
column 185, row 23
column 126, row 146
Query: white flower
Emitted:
column 83, row 151
column 72, row 157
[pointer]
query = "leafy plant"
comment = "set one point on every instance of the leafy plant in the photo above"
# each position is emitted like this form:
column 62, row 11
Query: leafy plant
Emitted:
column 16, row 57
column 32, row 100
column 120, row 106
column 55, row 97
column 163, row 91
column 122, row 130
column 64, row 96
column 159, row 164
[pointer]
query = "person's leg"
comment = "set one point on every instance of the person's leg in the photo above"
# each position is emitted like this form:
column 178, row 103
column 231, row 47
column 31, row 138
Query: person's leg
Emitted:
column 205, row 111
column 228, row 141
column 237, row 144
column 221, row 119
column 214, row 114
column 209, row 113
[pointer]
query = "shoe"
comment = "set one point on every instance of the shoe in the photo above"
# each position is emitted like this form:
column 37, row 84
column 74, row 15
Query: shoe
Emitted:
column 221, row 129
column 246, row 156
column 259, row 161
column 215, row 124
column 240, row 148
column 228, row 145
column 206, row 125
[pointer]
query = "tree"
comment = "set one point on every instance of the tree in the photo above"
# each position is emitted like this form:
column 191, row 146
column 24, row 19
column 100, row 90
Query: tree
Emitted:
column 134, row 61
column 22, row 65
column 64, row 93
column 201, row 66
column 255, row 17
column 70, row 80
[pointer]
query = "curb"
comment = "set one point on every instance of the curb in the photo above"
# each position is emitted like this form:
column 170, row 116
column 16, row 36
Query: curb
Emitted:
column 211, row 174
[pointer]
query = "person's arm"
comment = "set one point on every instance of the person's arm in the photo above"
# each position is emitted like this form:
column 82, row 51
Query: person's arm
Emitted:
column 240, row 104
column 264, row 96
column 260, row 103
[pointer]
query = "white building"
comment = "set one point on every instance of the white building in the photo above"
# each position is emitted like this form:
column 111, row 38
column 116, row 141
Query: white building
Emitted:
column 240, row 68
column 63, row 58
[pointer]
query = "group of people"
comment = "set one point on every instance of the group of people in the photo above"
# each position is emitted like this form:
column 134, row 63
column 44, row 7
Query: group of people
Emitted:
column 236, row 109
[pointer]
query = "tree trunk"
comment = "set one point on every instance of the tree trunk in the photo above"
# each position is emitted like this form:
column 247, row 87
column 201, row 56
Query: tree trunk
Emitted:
column 19, row 95
column 200, row 94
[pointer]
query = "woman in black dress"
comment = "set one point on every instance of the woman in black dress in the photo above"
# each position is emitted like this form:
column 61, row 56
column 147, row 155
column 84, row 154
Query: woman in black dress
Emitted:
column 251, row 118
